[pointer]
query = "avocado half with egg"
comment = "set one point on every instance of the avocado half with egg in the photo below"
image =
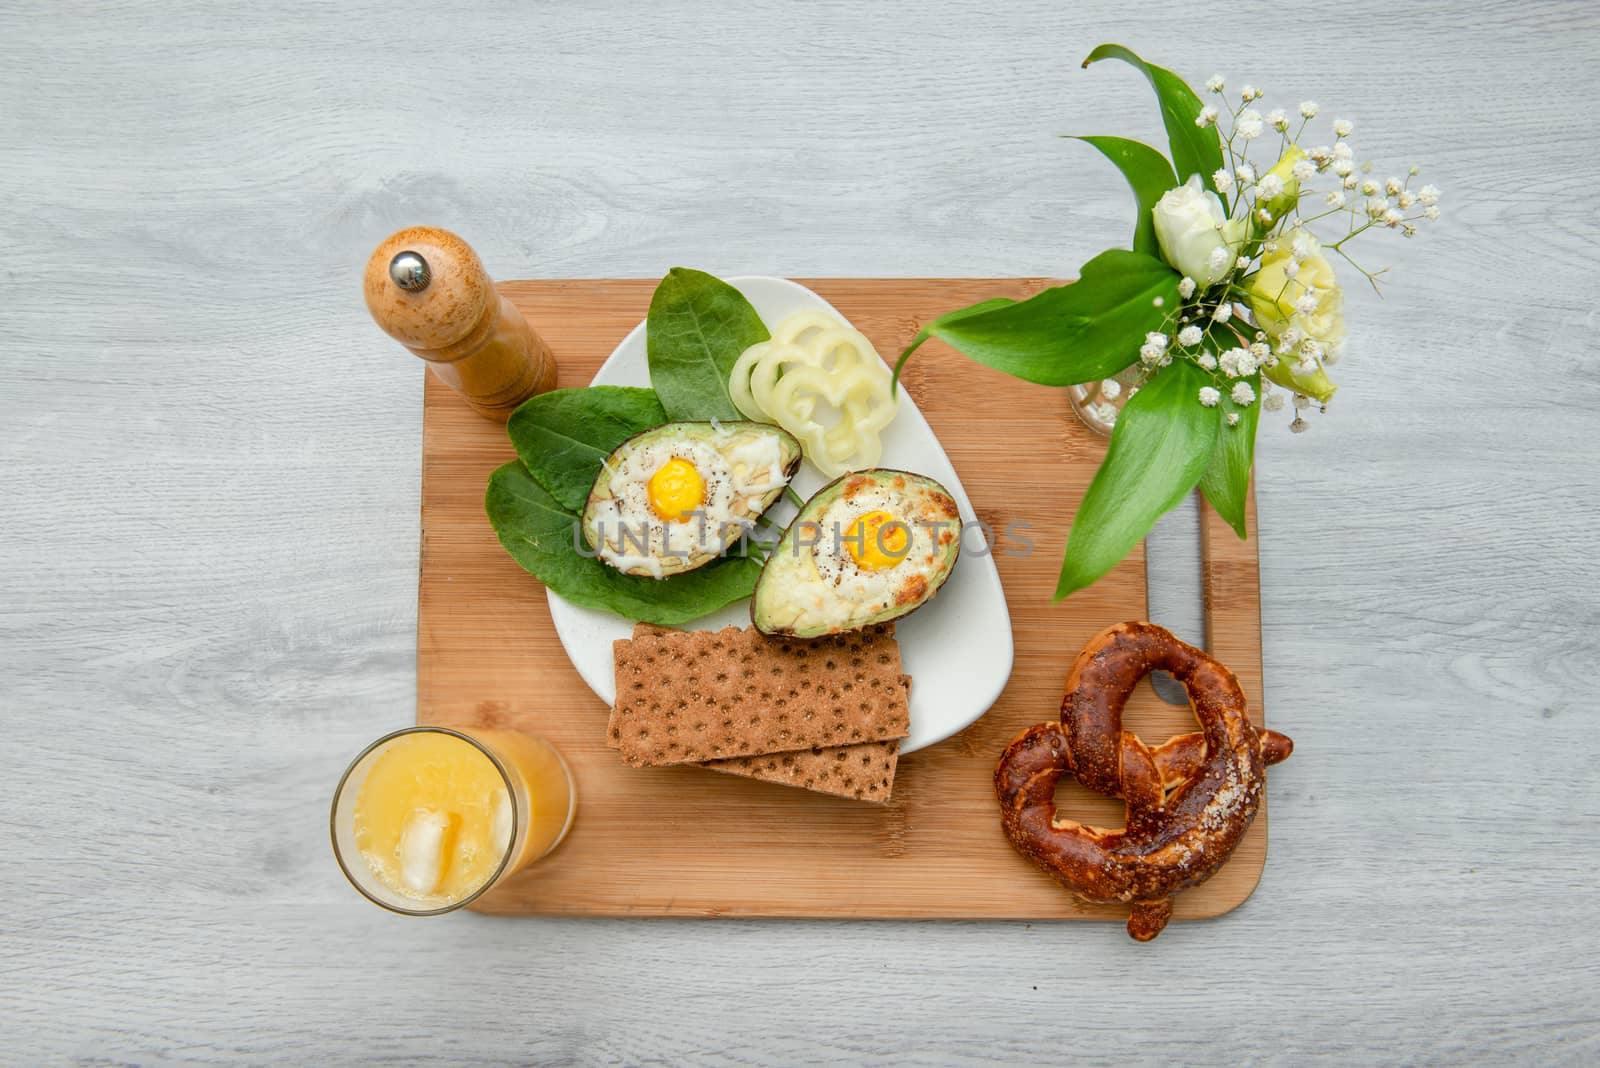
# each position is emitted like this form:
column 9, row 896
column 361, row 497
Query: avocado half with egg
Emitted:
column 866, row 548
column 672, row 498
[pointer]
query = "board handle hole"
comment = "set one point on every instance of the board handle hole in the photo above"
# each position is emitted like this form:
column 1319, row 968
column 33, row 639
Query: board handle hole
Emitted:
column 1174, row 597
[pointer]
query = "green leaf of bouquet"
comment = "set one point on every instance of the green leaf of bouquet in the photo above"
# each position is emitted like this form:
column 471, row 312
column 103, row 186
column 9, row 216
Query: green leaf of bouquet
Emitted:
column 563, row 436
column 1079, row 332
column 1226, row 481
column 1149, row 175
column 697, row 328
column 1195, row 149
column 540, row 534
column 944, row 320
column 1162, row 443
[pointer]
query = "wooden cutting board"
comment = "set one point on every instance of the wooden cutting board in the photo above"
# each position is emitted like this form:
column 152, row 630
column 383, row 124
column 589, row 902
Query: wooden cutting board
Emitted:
column 688, row 842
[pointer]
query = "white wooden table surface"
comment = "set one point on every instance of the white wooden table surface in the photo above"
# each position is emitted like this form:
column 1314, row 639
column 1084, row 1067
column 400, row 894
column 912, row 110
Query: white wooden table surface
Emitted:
column 209, row 464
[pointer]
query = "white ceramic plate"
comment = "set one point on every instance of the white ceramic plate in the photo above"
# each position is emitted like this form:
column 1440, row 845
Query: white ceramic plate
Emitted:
column 957, row 648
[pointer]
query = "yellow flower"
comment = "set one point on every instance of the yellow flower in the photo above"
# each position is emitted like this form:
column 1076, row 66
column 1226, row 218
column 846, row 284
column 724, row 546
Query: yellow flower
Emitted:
column 1284, row 171
column 1298, row 293
column 1317, row 384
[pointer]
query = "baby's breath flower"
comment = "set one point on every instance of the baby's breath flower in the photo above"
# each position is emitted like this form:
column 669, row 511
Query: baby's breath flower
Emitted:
column 1207, row 117
column 1189, row 336
column 1413, row 170
column 1249, row 93
column 1206, row 360
column 1277, row 119
column 1273, row 402
column 1321, row 155
column 1369, row 188
column 1430, row 212
column 1302, row 245
column 1335, row 199
column 1106, row 413
column 1301, row 402
column 1392, row 186
column 1223, row 180
column 1246, row 174
column 1259, row 351
column 1350, row 181
column 1343, row 151
column 1306, row 367
column 1270, row 186
column 1376, row 206
column 1209, row 397
column 1111, row 389
column 1185, row 288
column 1237, row 363
column 1428, row 195
column 1407, row 198
column 1343, row 128
column 1241, row 263
column 1215, row 83
column 1343, row 167
column 1233, row 418
column 1249, row 124
column 1264, row 217
column 1222, row 312
column 1308, row 109
column 1304, row 171
column 1156, row 338
column 1307, row 305
column 1242, row 394
column 1150, row 355
column 1299, row 426
column 1392, row 219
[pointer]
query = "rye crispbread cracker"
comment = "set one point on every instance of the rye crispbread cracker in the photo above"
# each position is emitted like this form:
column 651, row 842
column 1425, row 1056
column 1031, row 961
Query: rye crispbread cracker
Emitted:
column 864, row 771
column 690, row 696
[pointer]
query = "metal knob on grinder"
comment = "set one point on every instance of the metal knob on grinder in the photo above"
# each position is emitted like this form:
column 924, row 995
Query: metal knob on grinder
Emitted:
column 428, row 290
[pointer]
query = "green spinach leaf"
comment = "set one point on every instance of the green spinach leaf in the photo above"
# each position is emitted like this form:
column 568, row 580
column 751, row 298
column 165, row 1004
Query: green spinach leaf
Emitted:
column 1079, row 332
column 1195, row 149
column 1149, row 175
column 543, row 536
column 697, row 329
column 1162, row 443
column 563, row 436
column 1226, row 482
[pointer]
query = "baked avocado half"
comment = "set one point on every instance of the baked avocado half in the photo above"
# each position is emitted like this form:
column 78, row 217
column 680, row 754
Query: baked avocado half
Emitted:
column 672, row 498
column 866, row 548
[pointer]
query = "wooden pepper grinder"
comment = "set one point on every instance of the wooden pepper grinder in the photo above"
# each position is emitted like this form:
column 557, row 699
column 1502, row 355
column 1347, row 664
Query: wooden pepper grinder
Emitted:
column 427, row 289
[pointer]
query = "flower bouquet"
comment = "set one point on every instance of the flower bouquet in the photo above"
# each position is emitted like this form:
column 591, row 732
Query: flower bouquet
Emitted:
column 1227, row 302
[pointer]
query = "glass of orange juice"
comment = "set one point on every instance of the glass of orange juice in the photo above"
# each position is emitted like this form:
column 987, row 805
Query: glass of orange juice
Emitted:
column 427, row 819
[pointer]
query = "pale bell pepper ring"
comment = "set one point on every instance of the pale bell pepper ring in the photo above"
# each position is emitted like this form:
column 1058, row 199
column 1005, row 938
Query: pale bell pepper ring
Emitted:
column 813, row 358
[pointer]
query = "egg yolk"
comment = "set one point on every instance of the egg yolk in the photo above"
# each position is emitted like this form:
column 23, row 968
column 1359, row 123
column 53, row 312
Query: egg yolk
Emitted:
column 877, row 540
column 676, row 489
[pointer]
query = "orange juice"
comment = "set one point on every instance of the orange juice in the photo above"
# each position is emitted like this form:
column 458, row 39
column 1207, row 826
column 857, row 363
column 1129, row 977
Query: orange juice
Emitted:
column 427, row 819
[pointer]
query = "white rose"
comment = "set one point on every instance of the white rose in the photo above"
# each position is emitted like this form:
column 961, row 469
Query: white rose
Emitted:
column 1195, row 236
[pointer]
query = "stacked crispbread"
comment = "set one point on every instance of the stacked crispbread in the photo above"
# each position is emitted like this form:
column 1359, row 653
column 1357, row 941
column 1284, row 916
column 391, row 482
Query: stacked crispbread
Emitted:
column 825, row 714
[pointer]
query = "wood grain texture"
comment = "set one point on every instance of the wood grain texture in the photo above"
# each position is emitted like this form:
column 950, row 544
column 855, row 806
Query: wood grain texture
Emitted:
column 684, row 842
column 209, row 487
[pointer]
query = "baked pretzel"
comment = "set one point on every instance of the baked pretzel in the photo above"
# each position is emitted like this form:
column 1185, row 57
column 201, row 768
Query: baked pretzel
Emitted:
column 1190, row 800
